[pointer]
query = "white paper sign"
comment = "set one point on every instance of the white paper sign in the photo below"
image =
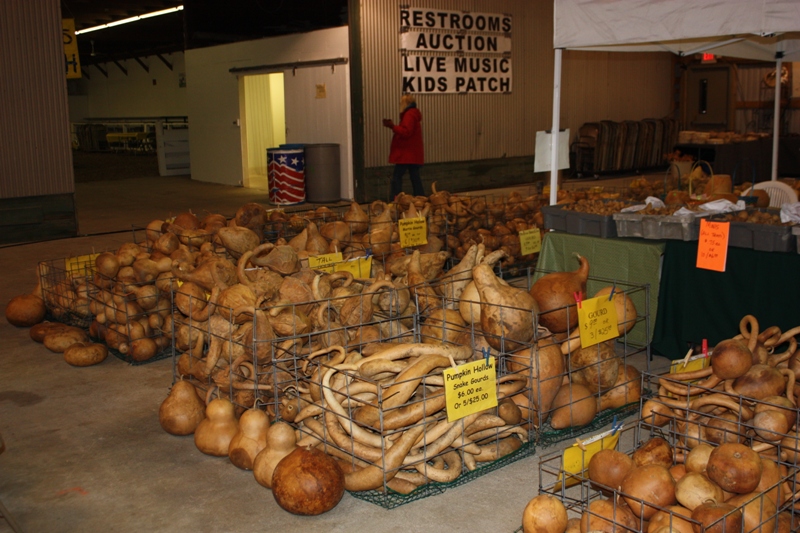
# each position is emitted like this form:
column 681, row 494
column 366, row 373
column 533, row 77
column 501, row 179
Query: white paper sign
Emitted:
column 544, row 143
column 448, row 74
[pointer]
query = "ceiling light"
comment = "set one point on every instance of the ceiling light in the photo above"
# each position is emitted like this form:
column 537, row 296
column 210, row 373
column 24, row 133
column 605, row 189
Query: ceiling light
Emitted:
column 131, row 19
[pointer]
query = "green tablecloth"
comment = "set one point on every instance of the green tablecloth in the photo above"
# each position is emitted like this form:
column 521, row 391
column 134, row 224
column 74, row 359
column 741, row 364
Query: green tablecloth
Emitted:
column 697, row 303
column 626, row 261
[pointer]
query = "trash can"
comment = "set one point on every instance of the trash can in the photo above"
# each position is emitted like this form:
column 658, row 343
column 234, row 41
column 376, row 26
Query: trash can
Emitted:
column 286, row 175
column 323, row 173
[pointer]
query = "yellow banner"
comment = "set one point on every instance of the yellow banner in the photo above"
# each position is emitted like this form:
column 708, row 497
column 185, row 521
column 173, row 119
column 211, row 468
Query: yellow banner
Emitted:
column 72, row 61
column 413, row 231
column 325, row 262
column 530, row 241
column 597, row 320
column 470, row 388
column 575, row 459
column 360, row 267
column 80, row 265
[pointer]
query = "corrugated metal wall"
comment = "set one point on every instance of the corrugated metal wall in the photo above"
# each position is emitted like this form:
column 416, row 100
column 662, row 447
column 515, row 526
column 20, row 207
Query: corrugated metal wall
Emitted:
column 460, row 127
column 751, row 88
column 35, row 158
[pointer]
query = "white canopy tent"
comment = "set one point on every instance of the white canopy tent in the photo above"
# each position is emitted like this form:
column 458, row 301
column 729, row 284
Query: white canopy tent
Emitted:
column 767, row 30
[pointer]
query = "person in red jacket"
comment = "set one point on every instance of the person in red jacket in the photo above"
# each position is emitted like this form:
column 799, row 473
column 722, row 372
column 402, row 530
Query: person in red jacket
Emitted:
column 406, row 152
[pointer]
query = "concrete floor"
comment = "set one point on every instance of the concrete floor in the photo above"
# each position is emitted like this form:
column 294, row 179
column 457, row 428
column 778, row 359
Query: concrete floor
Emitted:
column 85, row 451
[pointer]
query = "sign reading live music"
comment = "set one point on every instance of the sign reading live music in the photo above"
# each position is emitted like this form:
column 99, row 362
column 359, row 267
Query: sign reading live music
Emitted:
column 455, row 51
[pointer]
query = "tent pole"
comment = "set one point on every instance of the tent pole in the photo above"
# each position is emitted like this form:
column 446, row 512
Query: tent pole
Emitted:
column 555, row 129
column 776, row 116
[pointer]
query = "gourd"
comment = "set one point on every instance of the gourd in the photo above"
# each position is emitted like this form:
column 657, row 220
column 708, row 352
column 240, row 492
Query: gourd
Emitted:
column 214, row 434
column 182, row 410
column 250, row 439
column 554, row 293
column 281, row 440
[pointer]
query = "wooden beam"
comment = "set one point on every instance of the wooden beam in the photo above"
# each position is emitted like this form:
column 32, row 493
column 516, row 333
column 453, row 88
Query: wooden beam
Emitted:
column 142, row 64
column 123, row 69
column 164, row 60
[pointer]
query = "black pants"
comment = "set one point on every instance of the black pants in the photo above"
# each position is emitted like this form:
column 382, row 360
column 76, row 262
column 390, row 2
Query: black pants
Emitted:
column 397, row 180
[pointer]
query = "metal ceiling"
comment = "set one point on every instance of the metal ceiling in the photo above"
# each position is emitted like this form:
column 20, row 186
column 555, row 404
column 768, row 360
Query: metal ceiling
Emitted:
column 201, row 23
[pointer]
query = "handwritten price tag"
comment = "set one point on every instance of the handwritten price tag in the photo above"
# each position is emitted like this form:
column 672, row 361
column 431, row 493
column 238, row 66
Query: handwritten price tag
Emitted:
column 470, row 388
column 698, row 362
column 575, row 461
column 325, row 262
column 530, row 241
column 597, row 320
column 712, row 245
column 360, row 267
column 413, row 231
column 82, row 264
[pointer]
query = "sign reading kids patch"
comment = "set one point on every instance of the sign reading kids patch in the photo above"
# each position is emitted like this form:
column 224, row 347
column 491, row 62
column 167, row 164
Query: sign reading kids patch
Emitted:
column 530, row 241
column 712, row 245
column 413, row 231
column 597, row 320
column 470, row 388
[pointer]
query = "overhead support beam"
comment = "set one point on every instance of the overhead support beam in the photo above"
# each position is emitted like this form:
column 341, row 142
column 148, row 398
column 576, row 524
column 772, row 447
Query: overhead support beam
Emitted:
column 98, row 67
column 164, row 60
column 284, row 66
column 142, row 64
column 119, row 66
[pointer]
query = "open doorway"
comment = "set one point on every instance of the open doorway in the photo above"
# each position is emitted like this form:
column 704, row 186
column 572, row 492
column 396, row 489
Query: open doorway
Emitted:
column 263, row 124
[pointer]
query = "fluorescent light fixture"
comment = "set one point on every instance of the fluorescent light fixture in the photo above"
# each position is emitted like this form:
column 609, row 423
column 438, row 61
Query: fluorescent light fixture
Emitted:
column 131, row 19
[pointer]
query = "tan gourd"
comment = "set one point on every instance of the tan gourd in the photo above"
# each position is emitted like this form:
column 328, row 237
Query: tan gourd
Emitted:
column 281, row 441
column 555, row 292
column 214, row 434
column 508, row 314
column 250, row 439
column 182, row 411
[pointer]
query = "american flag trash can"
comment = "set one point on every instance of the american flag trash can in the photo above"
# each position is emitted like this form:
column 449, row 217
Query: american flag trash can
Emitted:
column 286, row 174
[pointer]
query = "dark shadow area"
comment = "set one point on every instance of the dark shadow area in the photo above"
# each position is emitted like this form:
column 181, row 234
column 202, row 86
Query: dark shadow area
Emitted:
column 107, row 166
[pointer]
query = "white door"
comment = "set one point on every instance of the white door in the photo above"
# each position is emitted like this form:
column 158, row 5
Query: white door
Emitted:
column 318, row 111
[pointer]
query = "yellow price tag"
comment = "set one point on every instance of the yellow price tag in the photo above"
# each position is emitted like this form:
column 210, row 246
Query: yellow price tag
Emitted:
column 413, row 231
column 575, row 459
column 470, row 388
column 698, row 362
column 82, row 264
column 597, row 320
column 360, row 267
column 530, row 241
column 325, row 262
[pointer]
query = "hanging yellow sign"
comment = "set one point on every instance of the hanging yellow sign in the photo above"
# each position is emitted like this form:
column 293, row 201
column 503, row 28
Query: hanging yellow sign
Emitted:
column 360, row 267
column 575, row 459
column 413, row 231
column 530, row 241
column 324, row 262
column 597, row 320
column 80, row 265
column 470, row 388
column 72, row 60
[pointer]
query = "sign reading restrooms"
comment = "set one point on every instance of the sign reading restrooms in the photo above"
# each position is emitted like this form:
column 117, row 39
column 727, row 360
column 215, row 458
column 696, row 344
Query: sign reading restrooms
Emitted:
column 455, row 51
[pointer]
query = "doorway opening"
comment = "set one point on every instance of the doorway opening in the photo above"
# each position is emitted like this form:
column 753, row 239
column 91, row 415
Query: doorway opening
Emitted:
column 263, row 124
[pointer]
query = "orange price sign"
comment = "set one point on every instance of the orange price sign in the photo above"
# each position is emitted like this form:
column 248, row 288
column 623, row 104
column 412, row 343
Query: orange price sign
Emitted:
column 712, row 245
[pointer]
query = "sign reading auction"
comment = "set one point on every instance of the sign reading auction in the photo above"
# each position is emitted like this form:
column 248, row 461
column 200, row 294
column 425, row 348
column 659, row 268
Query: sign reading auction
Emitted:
column 455, row 51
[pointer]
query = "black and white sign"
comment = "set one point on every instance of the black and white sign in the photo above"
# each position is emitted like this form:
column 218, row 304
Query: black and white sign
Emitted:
column 448, row 74
column 455, row 51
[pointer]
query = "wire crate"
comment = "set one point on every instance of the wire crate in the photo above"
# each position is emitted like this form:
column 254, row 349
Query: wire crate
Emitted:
column 384, row 414
column 619, row 359
column 66, row 288
column 134, row 319
column 734, row 419
column 579, row 493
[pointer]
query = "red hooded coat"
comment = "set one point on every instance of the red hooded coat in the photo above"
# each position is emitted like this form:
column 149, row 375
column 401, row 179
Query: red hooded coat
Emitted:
column 406, row 146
